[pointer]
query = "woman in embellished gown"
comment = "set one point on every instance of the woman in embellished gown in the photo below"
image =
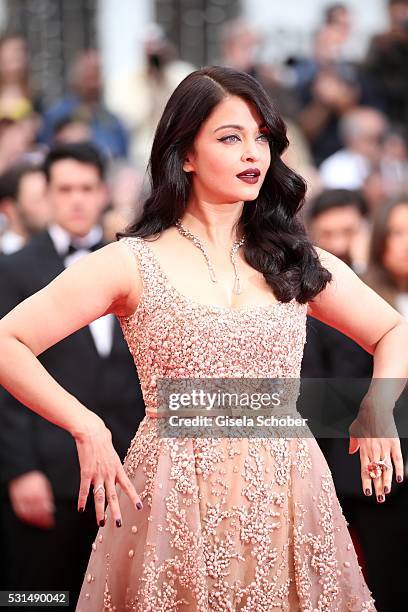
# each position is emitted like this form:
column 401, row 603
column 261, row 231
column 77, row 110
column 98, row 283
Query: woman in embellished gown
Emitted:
column 197, row 524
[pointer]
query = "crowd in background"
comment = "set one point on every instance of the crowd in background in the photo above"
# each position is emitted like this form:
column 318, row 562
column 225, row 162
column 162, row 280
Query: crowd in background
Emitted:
column 347, row 127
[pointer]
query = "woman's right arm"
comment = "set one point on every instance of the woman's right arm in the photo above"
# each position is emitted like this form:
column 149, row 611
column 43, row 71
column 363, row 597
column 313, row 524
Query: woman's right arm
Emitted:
column 106, row 281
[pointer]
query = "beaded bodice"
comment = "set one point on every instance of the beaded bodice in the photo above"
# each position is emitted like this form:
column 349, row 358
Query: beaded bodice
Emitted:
column 171, row 336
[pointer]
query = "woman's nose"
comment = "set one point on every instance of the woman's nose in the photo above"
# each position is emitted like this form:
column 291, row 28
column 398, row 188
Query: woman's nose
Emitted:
column 251, row 153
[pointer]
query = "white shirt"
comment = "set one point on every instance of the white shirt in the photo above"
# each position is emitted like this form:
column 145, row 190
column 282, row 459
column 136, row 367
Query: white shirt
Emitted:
column 344, row 170
column 102, row 328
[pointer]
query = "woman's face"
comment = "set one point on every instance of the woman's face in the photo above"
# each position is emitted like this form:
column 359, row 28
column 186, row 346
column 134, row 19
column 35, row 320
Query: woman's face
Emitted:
column 231, row 154
column 13, row 58
column 395, row 257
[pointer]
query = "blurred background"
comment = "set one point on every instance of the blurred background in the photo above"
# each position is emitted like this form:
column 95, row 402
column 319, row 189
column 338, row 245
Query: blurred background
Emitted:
column 102, row 71
column 56, row 29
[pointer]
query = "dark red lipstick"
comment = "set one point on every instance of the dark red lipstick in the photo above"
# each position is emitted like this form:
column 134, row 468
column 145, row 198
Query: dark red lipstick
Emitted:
column 250, row 175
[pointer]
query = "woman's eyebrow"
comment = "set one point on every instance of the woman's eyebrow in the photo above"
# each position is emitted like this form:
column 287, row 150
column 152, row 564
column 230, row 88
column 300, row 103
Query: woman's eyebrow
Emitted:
column 237, row 127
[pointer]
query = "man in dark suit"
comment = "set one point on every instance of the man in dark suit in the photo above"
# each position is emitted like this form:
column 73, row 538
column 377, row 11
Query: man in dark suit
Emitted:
column 46, row 542
column 379, row 529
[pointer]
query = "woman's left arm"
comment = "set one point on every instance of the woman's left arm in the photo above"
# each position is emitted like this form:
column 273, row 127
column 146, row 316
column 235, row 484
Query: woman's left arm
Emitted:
column 356, row 310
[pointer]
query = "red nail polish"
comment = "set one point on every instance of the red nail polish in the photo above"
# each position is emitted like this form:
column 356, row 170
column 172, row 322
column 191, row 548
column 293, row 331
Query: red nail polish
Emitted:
column 386, row 490
column 368, row 492
column 81, row 509
column 399, row 478
column 380, row 498
column 118, row 523
column 138, row 505
column 101, row 523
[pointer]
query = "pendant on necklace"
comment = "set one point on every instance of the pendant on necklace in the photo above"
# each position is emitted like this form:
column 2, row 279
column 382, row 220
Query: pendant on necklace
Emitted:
column 212, row 274
column 237, row 286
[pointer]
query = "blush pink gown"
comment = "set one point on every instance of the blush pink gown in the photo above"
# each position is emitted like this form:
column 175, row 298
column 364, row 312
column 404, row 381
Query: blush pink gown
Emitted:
column 228, row 524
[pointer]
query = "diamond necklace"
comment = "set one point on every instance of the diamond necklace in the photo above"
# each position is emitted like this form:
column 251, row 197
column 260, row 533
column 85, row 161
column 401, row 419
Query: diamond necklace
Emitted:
column 197, row 242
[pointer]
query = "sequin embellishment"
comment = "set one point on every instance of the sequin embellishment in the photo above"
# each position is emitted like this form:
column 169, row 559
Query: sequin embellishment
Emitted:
column 237, row 524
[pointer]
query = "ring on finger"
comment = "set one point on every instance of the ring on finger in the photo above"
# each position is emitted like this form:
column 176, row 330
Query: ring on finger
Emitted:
column 100, row 487
column 376, row 468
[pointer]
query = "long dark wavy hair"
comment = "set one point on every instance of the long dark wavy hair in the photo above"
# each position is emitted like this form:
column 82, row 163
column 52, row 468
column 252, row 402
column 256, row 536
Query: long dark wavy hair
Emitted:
column 276, row 242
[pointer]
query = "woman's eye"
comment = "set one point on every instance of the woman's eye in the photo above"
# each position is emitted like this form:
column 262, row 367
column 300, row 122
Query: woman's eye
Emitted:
column 229, row 138
column 234, row 138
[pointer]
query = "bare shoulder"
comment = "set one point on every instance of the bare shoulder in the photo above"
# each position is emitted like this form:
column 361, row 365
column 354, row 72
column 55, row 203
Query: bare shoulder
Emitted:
column 122, row 257
column 328, row 260
column 343, row 283
column 111, row 272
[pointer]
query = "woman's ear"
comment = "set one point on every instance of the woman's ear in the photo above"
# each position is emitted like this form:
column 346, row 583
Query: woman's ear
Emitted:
column 187, row 164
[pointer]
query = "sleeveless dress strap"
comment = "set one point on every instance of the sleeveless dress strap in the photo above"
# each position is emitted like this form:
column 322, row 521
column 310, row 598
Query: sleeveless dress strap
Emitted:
column 153, row 281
